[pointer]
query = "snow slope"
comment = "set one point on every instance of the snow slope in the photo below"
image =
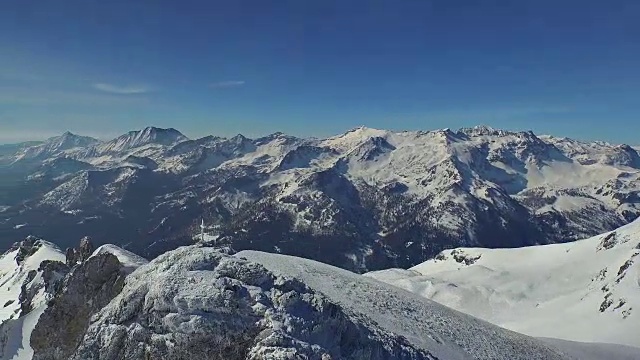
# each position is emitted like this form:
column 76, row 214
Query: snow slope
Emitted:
column 130, row 260
column 445, row 333
column 197, row 301
column 588, row 290
column 20, row 273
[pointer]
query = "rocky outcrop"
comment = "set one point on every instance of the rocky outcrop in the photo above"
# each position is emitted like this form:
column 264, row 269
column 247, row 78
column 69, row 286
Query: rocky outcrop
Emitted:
column 197, row 303
column 51, row 273
column 85, row 290
column 78, row 255
column 26, row 248
column 30, row 273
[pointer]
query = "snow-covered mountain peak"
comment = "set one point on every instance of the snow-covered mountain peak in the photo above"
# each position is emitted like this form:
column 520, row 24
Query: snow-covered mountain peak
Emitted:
column 488, row 131
column 56, row 146
column 29, row 253
column 239, row 138
column 277, row 136
column 138, row 138
column 597, row 152
column 69, row 140
column 152, row 134
column 353, row 138
column 241, row 144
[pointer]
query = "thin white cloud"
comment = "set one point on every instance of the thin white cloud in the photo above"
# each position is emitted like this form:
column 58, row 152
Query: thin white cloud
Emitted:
column 227, row 84
column 123, row 90
column 27, row 95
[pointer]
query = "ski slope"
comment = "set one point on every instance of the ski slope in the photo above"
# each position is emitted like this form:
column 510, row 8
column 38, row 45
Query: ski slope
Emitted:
column 586, row 291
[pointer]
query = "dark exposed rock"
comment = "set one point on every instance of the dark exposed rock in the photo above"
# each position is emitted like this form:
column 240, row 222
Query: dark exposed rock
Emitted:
column 608, row 242
column 86, row 289
column 80, row 254
column 70, row 257
column 606, row 303
column 26, row 248
column 620, row 304
column 625, row 266
column 601, row 275
column 27, row 293
column 462, row 258
column 53, row 273
column 85, row 250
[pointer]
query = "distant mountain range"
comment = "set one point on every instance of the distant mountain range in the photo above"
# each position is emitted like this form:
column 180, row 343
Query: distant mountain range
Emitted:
column 364, row 200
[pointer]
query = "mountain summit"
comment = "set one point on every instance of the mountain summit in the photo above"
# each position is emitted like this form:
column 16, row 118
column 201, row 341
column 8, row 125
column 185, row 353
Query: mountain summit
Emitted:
column 56, row 146
column 149, row 135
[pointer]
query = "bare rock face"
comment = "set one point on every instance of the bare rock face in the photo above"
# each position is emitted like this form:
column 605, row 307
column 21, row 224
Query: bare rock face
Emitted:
column 52, row 273
column 86, row 249
column 31, row 273
column 85, row 290
column 70, row 257
column 80, row 254
column 26, row 248
column 197, row 303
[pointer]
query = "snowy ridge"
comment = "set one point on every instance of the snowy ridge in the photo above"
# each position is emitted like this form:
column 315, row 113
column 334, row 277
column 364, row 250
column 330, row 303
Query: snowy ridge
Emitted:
column 23, row 294
column 130, row 260
column 203, row 303
column 135, row 139
column 444, row 333
column 286, row 307
column 63, row 145
column 587, row 290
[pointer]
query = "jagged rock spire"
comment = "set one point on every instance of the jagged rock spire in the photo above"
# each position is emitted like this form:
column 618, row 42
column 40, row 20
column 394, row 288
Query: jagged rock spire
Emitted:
column 82, row 253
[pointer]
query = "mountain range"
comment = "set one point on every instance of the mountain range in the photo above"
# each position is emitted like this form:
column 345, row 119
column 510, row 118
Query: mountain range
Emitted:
column 364, row 200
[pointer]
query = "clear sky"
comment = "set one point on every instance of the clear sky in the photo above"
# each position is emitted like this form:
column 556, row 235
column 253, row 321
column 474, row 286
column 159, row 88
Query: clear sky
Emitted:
column 317, row 68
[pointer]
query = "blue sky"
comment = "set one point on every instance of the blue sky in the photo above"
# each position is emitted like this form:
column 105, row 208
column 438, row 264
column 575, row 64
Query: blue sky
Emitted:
column 317, row 68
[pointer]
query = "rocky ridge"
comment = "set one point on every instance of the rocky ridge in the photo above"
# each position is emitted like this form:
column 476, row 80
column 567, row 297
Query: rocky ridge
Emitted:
column 201, row 302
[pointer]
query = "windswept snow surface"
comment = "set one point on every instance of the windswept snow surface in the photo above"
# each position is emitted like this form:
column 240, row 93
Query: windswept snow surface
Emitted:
column 595, row 350
column 586, row 291
column 446, row 333
column 130, row 260
column 16, row 332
